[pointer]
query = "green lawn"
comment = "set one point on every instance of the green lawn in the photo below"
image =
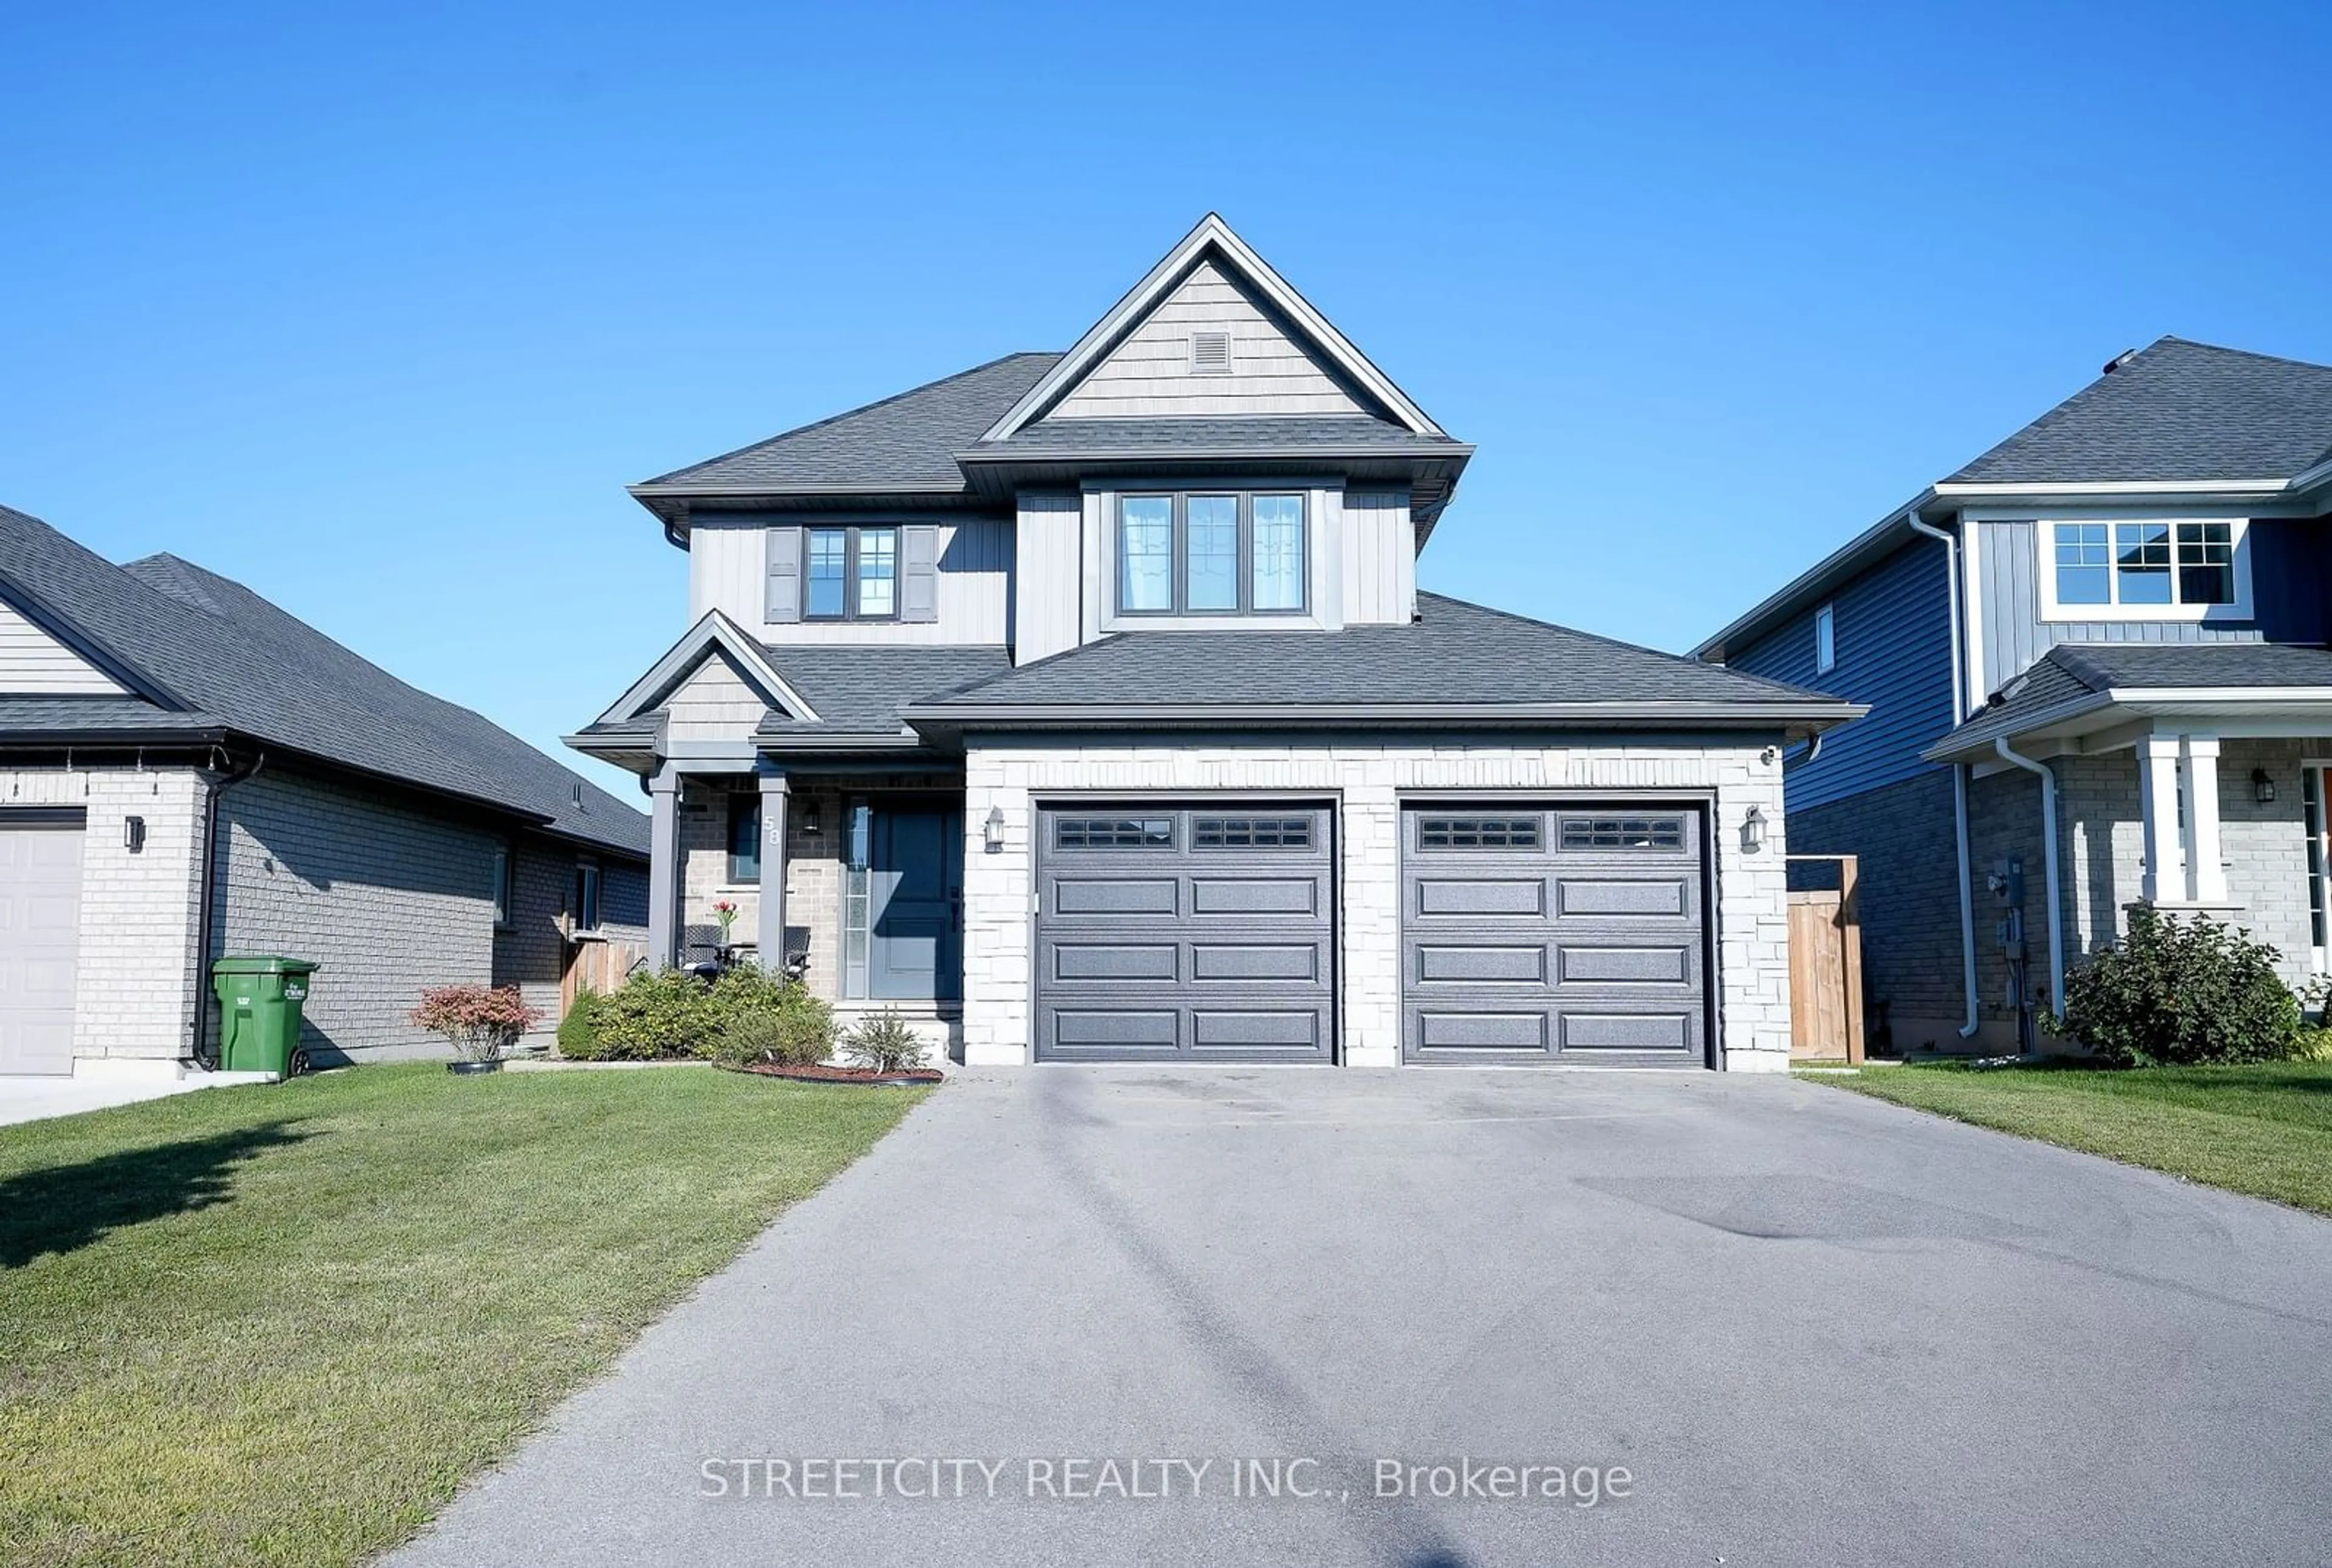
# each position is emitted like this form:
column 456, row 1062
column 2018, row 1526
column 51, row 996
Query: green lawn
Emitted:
column 282, row 1325
column 2262, row 1130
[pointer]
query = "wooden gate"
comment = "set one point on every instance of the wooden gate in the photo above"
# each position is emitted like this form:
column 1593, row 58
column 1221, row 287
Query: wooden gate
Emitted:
column 1825, row 965
column 596, row 965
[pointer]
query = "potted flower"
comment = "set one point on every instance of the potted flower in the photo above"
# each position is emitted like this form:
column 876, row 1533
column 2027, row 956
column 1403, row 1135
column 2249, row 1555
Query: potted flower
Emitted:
column 481, row 1022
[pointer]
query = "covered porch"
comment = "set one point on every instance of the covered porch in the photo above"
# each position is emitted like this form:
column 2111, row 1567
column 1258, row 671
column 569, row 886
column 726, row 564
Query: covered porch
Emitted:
column 852, row 875
column 2191, row 778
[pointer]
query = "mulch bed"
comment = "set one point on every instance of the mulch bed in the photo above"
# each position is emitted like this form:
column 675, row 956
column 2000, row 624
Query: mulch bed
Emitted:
column 848, row 1075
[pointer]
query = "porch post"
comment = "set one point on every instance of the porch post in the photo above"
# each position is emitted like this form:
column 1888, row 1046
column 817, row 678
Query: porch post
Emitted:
column 2206, row 874
column 664, row 866
column 773, row 869
column 2157, row 792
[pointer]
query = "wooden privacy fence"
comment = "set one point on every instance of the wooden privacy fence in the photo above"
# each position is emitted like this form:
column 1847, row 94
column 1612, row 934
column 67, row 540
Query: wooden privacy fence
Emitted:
column 596, row 965
column 1825, row 965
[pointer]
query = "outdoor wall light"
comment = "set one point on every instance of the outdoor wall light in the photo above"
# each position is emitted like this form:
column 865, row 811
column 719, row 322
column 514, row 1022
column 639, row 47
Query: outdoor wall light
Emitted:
column 809, row 817
column 133, row 833
column 2262, row 787
column 993, row 834
column 1753, row 831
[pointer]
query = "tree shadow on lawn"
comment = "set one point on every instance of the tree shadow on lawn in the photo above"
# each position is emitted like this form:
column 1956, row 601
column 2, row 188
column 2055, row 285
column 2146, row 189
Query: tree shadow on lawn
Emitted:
column 65, row 1207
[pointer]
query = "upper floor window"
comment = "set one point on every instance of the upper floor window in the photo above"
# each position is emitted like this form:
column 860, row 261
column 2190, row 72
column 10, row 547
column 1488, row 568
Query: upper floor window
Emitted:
column 1221, row 553
column 851, row 574
column 1825, row 640
column 2151, row 569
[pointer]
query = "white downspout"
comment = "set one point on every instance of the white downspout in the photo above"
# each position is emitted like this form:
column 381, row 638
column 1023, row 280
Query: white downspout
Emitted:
column 1959, row 777
column 2048, row 866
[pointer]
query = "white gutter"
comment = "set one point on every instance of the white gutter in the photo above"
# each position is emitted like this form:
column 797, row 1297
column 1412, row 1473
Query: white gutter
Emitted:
column 1969, row 1023
column 2048, row 861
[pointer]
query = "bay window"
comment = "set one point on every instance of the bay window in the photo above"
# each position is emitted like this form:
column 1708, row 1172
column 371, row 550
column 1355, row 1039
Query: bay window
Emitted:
column 1218, row 553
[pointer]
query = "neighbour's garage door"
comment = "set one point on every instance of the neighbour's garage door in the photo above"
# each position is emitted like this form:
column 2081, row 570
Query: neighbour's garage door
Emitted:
column 39, row 939
column 1187, row 931
column 1553, row 933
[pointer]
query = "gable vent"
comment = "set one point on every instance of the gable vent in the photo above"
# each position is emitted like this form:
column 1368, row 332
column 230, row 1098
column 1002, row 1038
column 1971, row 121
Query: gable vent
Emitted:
column 1210, row 353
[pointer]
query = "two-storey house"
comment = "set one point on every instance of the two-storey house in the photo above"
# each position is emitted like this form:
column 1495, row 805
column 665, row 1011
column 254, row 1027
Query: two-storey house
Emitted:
column 2095, row 667
column 1084, row 706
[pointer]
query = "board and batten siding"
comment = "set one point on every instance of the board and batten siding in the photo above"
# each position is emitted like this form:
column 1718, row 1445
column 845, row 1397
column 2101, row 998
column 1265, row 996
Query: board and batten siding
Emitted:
column 33, row 662
column 1894, row 647
column 729, row 564
column 1048, row 575
column 2015, row 637
column 1148, row 373
column 1380, row 559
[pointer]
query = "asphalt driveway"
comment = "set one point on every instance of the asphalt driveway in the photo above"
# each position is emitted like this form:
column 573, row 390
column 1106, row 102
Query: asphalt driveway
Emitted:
column 1808, row 1327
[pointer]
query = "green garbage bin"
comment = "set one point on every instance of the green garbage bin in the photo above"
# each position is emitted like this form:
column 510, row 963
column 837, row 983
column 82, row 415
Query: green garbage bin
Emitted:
column 260, row 1001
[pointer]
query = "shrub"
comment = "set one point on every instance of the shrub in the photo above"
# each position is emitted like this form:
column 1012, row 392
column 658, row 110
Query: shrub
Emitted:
column 2176, row 992
column 579, row 1034
column 481, row 1021
column 884, row 1042
column 655, row 1014
column 797, row 1033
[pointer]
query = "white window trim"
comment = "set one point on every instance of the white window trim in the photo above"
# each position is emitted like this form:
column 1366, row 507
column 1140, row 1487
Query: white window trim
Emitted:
column 2044, row 546
column 589, row 863
column 1825, row 639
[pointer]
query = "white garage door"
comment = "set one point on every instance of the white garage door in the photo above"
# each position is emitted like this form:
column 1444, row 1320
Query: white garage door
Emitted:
column 40, row 940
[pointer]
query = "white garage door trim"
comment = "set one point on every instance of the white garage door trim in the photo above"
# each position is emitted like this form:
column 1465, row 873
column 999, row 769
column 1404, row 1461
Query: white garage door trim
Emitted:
column 1545, row 930
column 41, row 860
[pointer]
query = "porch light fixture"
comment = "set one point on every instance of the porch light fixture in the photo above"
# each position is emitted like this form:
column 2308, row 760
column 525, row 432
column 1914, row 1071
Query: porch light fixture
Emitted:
column 809, row 818
column 1753, row 831
column 2262, row 787
column 992, row 835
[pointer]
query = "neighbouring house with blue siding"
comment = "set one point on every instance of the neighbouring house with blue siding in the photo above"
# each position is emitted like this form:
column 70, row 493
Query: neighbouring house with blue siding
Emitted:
column 2094, row 660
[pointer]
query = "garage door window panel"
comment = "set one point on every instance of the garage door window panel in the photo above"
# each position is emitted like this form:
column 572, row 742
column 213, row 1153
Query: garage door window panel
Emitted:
column 1478, row 832
column 1622, row 833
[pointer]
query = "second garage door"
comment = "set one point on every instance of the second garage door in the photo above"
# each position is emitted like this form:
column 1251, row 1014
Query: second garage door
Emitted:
column 1185, row 931
column 1553, row 933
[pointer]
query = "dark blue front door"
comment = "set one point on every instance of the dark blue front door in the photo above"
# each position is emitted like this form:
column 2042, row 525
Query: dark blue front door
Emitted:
column 914, row 906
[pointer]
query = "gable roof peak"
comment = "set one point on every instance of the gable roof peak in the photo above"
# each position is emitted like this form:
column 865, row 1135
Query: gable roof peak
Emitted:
column 1210, row 237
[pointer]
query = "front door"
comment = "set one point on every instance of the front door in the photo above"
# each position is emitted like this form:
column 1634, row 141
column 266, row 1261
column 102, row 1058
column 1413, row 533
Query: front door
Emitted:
column 914, row 906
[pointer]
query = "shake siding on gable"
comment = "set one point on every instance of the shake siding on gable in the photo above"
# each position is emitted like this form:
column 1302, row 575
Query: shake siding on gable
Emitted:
column 1148, row 374
column 2014, row 635
column 1894, row 653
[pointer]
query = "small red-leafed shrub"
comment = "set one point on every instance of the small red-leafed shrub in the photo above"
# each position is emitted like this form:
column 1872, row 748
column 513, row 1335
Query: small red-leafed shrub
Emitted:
column 481, row 1021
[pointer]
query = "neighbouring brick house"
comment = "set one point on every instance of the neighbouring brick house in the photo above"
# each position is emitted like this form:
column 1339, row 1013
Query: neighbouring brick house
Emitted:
column 1084, row 707
column 185, row 770
column 2096, row 668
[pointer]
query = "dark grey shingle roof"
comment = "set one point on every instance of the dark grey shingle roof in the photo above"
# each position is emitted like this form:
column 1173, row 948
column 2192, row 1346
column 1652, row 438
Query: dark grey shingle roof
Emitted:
column 2074, row 676
column 1078, row 438
column 1455, row 654
column 2103, row 666
column 861, row 689
column 2176, row 411
column 910, row 439
column 245, row 665
column 94, row 716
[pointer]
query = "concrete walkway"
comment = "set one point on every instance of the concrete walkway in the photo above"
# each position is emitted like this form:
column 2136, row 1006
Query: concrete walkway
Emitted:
column 36, row 1099
column 1810, row 1328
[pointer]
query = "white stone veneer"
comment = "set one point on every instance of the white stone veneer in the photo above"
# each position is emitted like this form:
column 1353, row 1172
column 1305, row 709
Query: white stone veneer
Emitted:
column 1368, row 783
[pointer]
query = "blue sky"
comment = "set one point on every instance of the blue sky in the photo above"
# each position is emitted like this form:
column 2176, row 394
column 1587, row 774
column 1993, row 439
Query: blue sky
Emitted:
column 378, row 313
